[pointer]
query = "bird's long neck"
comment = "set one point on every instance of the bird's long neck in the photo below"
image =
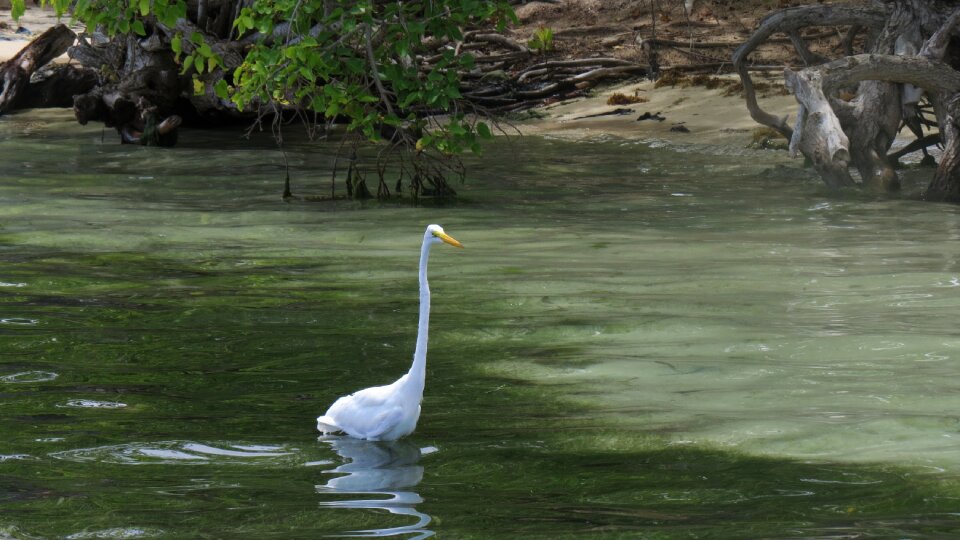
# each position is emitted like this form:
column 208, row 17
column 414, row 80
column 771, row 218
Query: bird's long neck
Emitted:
column 418, row 370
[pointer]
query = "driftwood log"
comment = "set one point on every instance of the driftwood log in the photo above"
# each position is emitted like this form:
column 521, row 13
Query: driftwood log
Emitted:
column 852, row 108
column 29, row 80
column 140, row 87
column 790, row 21
column 25, row 85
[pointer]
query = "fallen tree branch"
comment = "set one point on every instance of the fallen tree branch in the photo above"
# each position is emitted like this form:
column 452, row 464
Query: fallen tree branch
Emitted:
column 579, row 31
column 57, row 87
column 543, row 92
column 716, row 66
column 15, row 73
column 506, row 57
column 601, row 61
column 933, row 76
column 687, row 44
column 496, row 39
column 926, row 141
column 368, row 45
column 819, row 134
column 605, row 72
column 791, row 20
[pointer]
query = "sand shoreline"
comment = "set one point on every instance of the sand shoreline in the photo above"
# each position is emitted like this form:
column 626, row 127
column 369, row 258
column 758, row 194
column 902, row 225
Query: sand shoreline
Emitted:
column 710, row 117
column 693, row 114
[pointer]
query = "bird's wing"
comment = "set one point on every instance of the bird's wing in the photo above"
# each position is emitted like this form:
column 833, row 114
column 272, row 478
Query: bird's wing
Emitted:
column 383, row 423
column 375, row 396
column 360, row 414
column 370, row 423
column 361, row 399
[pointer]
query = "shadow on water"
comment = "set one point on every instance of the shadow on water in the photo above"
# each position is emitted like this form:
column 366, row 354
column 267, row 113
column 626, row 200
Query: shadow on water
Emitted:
column 515, row 461
column 166, row 343
column 382, row 475
column 503, row 482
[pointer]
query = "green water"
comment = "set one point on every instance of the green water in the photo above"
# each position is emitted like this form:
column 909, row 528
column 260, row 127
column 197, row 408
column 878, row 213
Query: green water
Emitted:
column 639, row 341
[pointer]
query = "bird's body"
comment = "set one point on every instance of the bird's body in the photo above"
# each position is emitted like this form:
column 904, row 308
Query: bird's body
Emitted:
column 378, row 413
column 387, row 413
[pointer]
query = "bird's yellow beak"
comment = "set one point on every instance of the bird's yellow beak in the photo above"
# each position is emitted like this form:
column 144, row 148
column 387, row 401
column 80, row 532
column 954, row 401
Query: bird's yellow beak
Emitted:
column 448, row 239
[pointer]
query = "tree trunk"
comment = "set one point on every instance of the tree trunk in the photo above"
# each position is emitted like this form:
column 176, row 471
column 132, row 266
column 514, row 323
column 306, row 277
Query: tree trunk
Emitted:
column 911, row 51
column 57, row 86
column 790, row 21
column 16, row 90
column 142, row 85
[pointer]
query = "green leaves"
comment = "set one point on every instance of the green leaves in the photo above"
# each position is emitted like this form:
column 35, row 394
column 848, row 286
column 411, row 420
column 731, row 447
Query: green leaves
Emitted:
column 17, row 9
column 483, row 130
column 187, row 64
column 542, row 39
column 245, row 21
column 222, row 89
column 203, row 58
column 118, row 16
column 323, row 62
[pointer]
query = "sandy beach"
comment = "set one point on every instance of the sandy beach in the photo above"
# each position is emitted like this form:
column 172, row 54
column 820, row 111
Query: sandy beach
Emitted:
column 690, row 114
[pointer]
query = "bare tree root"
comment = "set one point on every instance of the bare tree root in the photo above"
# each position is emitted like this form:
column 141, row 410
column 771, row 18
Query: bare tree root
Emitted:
column 790, row 21
column 16, row 89
column 839, row 130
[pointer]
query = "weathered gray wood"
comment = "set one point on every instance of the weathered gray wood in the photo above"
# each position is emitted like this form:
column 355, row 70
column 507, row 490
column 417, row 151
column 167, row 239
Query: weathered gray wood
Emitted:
column 15, row 73
column 945, row 185
column 791, row 20
column 57, row 86
column 906, row 57
column 824, row 139
column 931, row 75
column 819, row 134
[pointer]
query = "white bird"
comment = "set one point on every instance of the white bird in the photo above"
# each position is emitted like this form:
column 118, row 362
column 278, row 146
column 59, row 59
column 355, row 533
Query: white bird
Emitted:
column 387, row 413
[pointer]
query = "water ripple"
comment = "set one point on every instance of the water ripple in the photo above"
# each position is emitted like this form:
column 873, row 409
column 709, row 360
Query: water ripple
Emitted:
column 12, row 531
column 858, row 482
column 29, row 377
column 12, row 457
column 117, row 532
column 93, row 404
column 19, row 321
column 182, row 453
column 381, row 476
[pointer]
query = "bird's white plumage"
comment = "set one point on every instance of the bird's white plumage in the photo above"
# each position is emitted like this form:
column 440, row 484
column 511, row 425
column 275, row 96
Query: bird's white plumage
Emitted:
column 387, row 413
column 379, row 413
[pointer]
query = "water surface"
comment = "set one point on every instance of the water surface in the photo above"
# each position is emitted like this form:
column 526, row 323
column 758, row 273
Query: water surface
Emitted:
column 639, row 340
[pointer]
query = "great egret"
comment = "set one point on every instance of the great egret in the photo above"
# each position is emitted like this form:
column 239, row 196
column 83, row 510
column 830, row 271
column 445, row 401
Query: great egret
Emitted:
column 387, row 413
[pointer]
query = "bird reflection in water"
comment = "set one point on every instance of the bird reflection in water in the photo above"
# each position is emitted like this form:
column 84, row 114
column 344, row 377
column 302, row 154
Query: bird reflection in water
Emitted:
column 378, row 469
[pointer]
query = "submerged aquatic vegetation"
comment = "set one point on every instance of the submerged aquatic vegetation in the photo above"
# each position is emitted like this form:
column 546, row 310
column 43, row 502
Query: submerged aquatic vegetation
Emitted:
column 643, row 349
